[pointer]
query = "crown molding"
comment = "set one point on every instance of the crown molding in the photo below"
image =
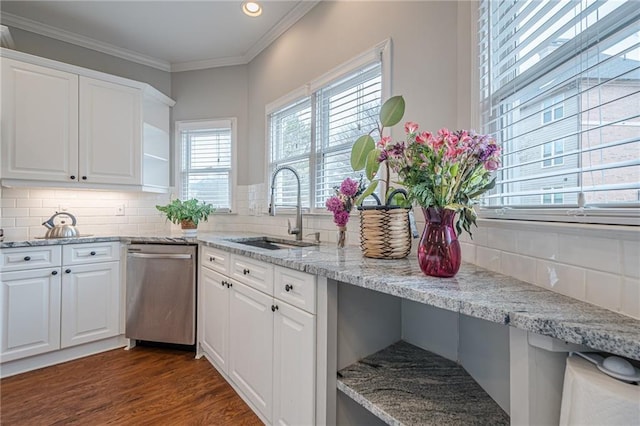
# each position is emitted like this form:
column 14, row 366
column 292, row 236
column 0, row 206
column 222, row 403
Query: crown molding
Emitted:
column 301, row 9
column 5, row 38
column 80, row 40
column 207, row 63
column 283, row 25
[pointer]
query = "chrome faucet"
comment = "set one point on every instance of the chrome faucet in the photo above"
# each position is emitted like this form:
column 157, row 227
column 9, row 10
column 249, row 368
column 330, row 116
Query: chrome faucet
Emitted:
column 297, row 231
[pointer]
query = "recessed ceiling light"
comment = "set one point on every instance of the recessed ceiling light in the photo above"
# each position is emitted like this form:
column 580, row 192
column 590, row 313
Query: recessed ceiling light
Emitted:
column 252, row 8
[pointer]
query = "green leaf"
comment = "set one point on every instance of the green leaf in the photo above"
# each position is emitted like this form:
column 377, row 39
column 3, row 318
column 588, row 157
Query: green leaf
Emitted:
column 372, row 164
column 361, row 148
column 392, row 111
column 454, row 169
column 369, row 191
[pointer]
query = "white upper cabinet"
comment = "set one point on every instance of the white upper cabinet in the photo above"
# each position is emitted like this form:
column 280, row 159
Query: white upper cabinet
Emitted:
column 39, row 122
column 67, row 126
column 110, row 132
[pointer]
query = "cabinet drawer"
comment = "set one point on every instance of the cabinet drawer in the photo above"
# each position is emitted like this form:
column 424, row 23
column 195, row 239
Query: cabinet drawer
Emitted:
column 78, row 254
column 253, row 273
column 14, row 259
column 295, row 288
column 217, row 260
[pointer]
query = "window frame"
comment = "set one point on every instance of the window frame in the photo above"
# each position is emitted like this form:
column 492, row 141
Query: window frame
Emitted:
column 380, row 52
column 611, row 214
column 207, row 124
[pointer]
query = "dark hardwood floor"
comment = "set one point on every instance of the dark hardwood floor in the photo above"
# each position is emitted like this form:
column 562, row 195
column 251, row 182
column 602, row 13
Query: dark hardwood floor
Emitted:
column 143, row 386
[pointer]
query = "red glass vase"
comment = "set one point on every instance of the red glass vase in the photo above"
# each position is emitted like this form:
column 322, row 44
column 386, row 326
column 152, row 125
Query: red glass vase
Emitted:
column 439, row 249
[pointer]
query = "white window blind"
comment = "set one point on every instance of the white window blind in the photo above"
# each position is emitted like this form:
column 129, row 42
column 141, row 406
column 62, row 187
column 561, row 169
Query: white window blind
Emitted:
column 206, row 163
column 562, row 78
column 315, row 135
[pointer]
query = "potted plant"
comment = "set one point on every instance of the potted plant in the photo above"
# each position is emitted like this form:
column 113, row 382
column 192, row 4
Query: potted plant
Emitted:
column 187, row 213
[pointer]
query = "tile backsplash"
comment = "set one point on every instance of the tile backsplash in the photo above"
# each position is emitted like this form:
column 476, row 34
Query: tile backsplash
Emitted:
column 592, row 263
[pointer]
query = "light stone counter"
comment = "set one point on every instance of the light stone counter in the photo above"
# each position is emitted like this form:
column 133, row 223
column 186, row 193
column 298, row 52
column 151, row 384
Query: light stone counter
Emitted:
column 473, row 291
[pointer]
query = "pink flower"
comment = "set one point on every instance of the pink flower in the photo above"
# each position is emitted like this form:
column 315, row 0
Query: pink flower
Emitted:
column 491, row 165
column 334, row 204
column 410, row 127
column 341, row 218
column 384, row 141
column 349, row 187
column 423, row 138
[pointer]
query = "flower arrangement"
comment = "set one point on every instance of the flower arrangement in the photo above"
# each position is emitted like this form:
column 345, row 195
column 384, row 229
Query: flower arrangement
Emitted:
column 344, row 199
column 448, row 169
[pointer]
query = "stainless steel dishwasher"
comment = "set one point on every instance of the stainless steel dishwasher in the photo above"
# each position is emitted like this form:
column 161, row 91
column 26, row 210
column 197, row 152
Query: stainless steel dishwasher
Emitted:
column 161, row 293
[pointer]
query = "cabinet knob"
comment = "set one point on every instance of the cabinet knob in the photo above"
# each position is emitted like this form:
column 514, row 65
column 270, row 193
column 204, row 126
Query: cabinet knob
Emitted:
column 93, row 253
column 288, row 287
column 27, row 258
column 54, row 272
column 246, row 271
column 223, row 283
column 72, row 177
column 211, row 258
column 229, row 285
column 84, row 178
column 274, row 308
column 68, row 271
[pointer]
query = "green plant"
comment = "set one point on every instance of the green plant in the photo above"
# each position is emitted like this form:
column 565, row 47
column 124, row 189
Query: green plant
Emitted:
column 189, row 210
column 366, row 154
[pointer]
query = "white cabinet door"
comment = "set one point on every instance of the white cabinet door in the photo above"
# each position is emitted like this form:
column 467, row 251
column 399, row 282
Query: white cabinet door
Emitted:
column 90, row 302
column 30, row 318
column 294, row 366
column 39, row 123
column 251, row 345
column 110, row 133
column 213, row 327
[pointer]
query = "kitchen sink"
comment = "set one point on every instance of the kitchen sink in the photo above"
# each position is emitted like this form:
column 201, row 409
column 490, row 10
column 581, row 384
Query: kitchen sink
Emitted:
column 272, row 243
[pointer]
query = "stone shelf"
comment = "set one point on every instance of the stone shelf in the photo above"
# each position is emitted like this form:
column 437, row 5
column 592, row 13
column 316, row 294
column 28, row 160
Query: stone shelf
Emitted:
column 405, row 385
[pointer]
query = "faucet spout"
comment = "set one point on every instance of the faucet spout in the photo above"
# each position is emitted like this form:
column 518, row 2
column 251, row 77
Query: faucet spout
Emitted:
column 297, row 231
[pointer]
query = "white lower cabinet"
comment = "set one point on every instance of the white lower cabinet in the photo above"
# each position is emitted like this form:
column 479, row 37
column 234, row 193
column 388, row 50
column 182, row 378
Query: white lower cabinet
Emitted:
column 30, row 321
column 264, row 345
column 53, row 298
column 90, row 300
column 251, row 345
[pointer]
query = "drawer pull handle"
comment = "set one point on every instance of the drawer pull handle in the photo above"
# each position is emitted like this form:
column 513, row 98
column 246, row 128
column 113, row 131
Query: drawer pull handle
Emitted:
column 288, row 287
column 93, row 253
column 68, row 271
column 54, row 272
column 212, row 259
column 229, row 285
column 274, row 308
column 246, row 271
column 223, row 283
column 27, row 258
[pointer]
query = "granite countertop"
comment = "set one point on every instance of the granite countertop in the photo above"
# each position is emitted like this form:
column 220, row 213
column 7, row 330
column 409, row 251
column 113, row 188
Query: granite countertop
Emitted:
column 474, row 291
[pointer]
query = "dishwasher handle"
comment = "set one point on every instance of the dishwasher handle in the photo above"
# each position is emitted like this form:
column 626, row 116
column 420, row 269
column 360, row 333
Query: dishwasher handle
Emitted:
column 160, row 255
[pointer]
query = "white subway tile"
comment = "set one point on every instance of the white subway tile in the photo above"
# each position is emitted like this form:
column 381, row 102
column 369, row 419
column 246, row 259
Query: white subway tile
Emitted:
column 594, row 253
column 520, row 267
column 488, row 258
column 8, row 222
column 8, row 203
column 15, row 212
column 41, row 193
column 543, row 245
column 564, row 279
column 631, row 297
column 28, row 221
column 16, row 234
column 502, row 239
column 468, row 252
column 604, row 289
column 15, row 193
column 42, row 212
column 631, row 258
column 28, row 202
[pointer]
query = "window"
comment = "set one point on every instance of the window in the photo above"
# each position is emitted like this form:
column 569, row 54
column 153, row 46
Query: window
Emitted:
column 207, row 161
column 552, row 153
column 552, row 109
column 552, row 197
column 313, row 129
column 562, row 78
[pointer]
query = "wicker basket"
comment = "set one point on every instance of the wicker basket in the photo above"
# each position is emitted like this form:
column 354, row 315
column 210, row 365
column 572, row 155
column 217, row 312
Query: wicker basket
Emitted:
column 385, row 231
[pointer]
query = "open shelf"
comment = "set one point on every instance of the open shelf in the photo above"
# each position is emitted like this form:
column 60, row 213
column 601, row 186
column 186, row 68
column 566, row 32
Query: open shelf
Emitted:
column 405, row 385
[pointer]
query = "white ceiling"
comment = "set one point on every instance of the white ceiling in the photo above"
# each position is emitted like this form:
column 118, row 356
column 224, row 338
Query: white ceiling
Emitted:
column 169, row 35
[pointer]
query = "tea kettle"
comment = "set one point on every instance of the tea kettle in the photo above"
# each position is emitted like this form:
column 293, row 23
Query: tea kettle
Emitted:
column 62, row 230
